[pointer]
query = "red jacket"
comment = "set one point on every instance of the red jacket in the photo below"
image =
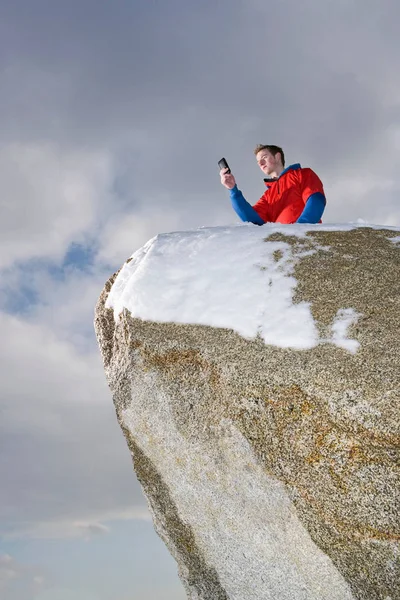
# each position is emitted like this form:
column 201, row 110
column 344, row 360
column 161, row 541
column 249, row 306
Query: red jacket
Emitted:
column 286, row 196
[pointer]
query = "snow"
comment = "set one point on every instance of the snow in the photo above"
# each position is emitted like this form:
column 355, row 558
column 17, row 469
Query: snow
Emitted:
column 344, row 318
column 227, row 277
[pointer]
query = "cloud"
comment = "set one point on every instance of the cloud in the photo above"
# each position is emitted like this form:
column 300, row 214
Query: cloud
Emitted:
column 57, row 410
column 18, row 577
column 49, row 198
column 98, row 522
column 131, row 231
column 8, row 570
column 88, row 530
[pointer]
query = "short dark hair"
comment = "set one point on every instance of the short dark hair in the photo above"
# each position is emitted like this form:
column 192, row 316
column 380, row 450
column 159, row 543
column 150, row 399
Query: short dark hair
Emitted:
column 273, row 149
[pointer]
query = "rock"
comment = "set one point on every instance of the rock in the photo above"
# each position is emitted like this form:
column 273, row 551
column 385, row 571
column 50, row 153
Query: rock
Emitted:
column 272, row 472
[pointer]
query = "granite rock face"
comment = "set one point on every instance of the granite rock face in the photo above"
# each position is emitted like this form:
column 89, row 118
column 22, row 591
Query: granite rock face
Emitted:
column 272, row 473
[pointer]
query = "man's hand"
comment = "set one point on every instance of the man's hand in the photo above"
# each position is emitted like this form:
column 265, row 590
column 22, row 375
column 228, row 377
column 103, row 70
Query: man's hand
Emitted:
column 227, row 179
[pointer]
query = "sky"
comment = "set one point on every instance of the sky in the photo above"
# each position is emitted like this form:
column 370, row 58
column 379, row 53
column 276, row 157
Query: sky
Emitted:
column 112, row 119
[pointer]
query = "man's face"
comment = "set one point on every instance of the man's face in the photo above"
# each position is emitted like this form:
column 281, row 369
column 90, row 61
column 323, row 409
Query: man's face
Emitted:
column 267, row 161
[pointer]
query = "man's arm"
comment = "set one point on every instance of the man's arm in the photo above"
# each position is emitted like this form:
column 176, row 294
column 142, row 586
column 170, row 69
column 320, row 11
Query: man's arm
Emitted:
column 243, row 209
column 313, row 209
column 313, row 196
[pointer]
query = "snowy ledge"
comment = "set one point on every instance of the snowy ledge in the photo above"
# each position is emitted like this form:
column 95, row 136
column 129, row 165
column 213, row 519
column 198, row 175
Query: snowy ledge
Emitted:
column 228, row 277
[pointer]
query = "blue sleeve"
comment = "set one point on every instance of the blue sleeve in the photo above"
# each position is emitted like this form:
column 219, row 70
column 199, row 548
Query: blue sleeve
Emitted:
column 243, row 209
column 313, row 209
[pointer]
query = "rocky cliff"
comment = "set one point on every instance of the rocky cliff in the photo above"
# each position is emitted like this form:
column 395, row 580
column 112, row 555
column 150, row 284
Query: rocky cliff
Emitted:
column 270, row 465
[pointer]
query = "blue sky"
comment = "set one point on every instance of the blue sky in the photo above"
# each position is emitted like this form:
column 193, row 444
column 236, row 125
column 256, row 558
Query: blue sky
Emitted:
column 98, row 567
column 112, row 119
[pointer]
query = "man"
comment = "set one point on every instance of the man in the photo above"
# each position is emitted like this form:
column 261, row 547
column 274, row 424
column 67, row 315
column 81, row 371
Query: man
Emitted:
column 293, row 195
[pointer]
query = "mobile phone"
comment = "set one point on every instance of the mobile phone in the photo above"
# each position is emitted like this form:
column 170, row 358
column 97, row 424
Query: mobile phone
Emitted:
column 223, row 165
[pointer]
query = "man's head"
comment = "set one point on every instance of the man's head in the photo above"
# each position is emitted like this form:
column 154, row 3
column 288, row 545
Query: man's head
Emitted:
column 270, row 159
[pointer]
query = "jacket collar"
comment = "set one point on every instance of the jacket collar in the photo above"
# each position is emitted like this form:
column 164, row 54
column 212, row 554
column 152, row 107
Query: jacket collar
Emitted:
column 293, row 167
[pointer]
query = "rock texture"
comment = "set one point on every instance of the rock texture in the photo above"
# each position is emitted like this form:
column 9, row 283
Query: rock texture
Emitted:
column 273, row 473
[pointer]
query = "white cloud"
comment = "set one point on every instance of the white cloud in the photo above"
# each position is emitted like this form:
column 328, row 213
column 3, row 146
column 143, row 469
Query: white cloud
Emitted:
column 13, row 572
column 122, row 236
column 91, row 524
column 8, row 570
column 49, row 197
column 369, row 197
column 57, row 409
column 89, row 530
